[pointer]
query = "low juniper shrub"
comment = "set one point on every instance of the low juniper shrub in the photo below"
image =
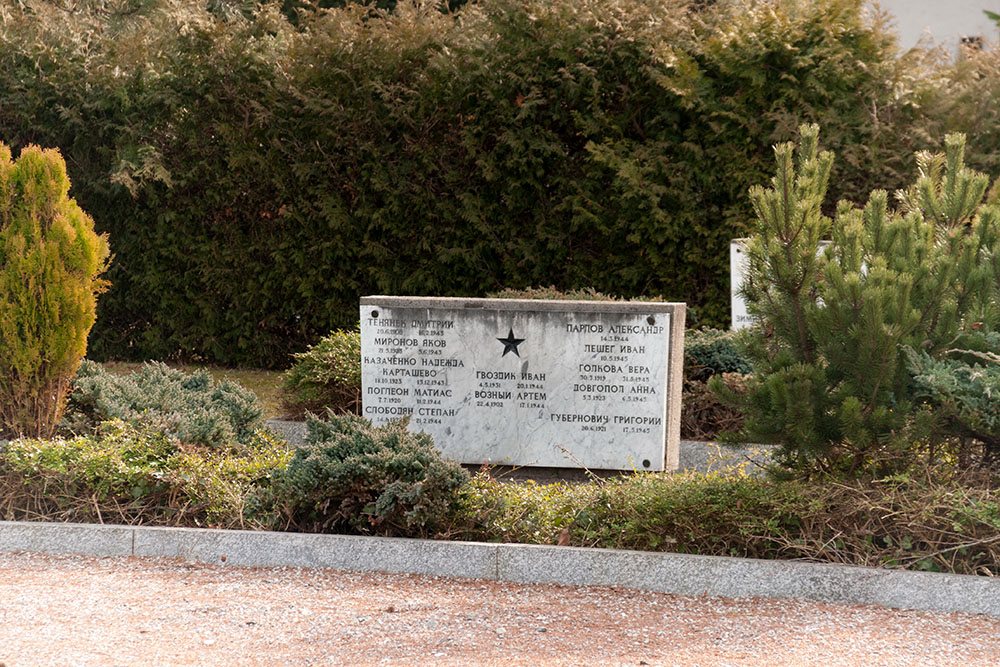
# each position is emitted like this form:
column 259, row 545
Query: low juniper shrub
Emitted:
column 351, row 476
column 709, row 352
column 958, row 390
column 190, row 408
column 327, row 375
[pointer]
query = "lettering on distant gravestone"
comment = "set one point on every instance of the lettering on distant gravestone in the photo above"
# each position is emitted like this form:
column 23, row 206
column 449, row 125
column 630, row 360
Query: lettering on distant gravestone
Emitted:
column 737, row 275
column 738, row 261
column 529, row 383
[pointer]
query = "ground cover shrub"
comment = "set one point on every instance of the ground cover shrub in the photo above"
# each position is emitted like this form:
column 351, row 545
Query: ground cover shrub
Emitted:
column 527, row 512
column 351, row 476
column 50, row 263
column 704, row 415
column 895, row 522
column 904, row 522
column 129, row 474
column 325, row 376
column 959, row 390
column 188, row 408
column 512, row 143
column 831, row 384
column 707, row 353
column 265, row 384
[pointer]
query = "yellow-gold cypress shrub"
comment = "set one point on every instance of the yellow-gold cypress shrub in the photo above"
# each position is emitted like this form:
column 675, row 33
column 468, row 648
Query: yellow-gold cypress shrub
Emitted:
column 50, row 263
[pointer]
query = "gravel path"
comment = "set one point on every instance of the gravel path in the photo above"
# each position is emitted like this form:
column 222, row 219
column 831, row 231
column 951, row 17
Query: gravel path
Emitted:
column 77, row 610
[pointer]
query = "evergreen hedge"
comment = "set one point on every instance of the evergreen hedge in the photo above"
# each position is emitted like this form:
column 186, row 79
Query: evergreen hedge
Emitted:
column 258, row 176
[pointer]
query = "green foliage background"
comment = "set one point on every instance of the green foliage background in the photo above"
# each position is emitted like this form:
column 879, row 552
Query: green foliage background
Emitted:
column 258, row 176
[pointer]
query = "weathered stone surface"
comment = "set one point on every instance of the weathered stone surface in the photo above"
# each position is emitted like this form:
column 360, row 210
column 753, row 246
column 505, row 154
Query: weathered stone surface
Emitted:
column 739, row 317
column 687, row 574
column 66, row 538
column 532, row 383
column 342, row 552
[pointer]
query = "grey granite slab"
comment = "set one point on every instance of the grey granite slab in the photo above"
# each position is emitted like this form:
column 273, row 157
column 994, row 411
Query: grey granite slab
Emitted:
column 66, row 538
column 343, row 552
column 570, row 384
column 687, row 574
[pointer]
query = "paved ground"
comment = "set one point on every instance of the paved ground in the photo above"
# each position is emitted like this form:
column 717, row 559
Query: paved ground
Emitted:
column 79, row 611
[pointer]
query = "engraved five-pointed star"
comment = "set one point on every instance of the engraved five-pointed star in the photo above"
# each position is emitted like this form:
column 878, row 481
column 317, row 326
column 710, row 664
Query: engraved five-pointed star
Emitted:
column 510, row 343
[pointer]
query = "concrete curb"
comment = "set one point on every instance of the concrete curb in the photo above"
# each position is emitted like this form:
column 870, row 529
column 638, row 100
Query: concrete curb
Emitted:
column 519, row 563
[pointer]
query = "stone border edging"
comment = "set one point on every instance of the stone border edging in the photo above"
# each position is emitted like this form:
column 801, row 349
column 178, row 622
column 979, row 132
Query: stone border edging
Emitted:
column 681, row 574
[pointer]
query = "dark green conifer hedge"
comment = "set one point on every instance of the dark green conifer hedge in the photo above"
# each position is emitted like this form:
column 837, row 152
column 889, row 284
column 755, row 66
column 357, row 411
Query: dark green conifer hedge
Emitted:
column 257, row 177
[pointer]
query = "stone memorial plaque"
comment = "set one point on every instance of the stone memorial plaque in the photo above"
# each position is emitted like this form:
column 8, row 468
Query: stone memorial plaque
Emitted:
column 529, row 383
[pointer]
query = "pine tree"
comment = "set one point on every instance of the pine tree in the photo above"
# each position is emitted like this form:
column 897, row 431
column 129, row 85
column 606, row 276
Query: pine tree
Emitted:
column 832, row 355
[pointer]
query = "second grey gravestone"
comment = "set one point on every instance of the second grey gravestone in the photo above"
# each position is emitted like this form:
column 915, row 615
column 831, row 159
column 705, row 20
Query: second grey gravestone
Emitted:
column 529, row 383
